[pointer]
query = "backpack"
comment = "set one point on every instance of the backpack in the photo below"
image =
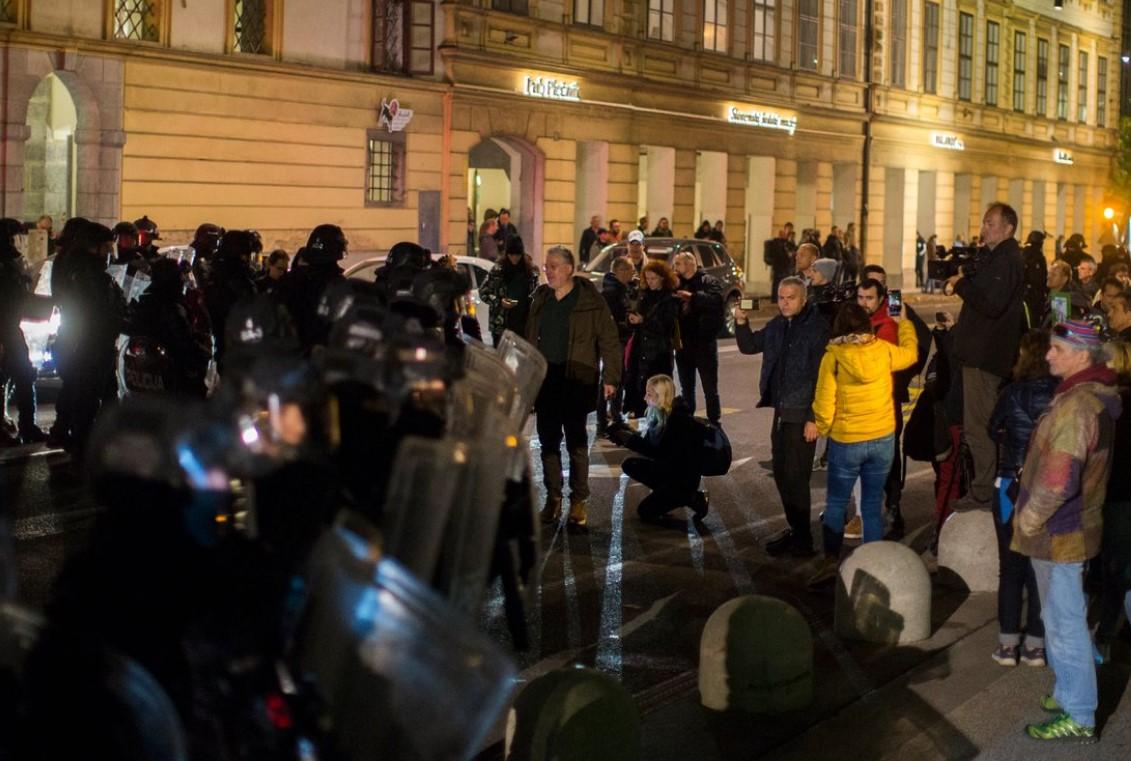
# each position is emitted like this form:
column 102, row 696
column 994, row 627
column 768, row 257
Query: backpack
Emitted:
column 715, row 451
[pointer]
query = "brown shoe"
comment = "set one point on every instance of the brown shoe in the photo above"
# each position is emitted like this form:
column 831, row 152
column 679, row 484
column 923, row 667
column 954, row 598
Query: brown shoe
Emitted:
column 577, row 515
column 552, row 511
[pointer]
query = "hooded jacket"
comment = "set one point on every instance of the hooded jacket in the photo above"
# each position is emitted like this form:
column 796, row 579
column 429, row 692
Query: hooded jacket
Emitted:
column 1059, row 515
column 853, row 402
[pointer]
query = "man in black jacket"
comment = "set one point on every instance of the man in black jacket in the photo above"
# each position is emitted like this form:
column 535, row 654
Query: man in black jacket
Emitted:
column 617, row 290
column 15, row 365
column 777, row 257
column 986, row 339
column 700, row 320
column 1036, row 269
column 791, row 345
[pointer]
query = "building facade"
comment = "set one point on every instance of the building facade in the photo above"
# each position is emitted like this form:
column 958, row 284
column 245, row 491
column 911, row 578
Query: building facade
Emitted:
column 402, row 119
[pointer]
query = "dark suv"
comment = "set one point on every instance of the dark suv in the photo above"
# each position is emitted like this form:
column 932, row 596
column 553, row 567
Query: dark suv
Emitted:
column 709, row 255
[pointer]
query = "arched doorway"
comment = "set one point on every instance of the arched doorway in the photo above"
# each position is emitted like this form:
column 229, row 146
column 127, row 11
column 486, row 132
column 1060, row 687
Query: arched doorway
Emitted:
column 508, row 172
column 49, row 152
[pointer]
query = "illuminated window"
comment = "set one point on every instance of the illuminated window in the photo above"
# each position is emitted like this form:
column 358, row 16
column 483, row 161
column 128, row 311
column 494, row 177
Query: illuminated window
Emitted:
column 133, row 19
column 1101, row 92
column 847, row 39
column 764, row 33
column 808, row 34
column 591, row 12
column 899, row 43
column 251, row 26
column 1019, row 49
column 661, row 20
column 993, row 45
column 1082, row 89
column 402, row 36
column 1063, row 55
column 384, row 168
column 715, row 25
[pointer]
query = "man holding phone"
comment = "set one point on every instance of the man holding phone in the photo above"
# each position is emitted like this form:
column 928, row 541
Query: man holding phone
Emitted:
column 791, row 346
column 700, row 321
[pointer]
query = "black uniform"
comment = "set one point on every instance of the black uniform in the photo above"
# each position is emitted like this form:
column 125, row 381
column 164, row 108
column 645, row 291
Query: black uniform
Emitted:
column 15, row 365
column 161, row 315
column 229, row 282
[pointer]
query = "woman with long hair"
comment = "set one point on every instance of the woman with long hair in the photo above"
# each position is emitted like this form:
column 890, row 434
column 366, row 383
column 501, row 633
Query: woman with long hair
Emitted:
column 667, row 464
column 509, row 289
column 1015, row 415
column 654, row 322
column 853, row 406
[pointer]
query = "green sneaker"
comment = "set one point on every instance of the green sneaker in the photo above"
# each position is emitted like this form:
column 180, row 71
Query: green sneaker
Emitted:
column 1048, row 703
column 1062, row 728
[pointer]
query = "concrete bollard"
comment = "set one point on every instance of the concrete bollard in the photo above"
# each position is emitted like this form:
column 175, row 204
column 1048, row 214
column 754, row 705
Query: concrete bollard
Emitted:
column 883, row 595
column 756, row 656
column 968, row 547
column 573, row 714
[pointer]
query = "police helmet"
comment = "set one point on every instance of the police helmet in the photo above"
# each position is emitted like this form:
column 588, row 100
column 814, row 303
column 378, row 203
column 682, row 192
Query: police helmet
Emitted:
column 10, row 228
column 239, row 244
column 408, row 254
column 206, row 240
column 326, row 243
column 147, row 231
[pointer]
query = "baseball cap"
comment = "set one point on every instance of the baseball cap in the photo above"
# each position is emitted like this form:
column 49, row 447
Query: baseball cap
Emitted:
column 636, row 237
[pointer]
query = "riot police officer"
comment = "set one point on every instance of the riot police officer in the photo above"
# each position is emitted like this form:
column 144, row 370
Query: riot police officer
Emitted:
column 160, row 314
column 301, row 289
column 15, row 365
column 127, row 250
column 230, row 280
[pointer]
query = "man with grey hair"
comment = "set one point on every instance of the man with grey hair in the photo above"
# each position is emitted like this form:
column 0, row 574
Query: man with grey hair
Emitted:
column 1058, row 521
column 791, row 346
column 700, row 322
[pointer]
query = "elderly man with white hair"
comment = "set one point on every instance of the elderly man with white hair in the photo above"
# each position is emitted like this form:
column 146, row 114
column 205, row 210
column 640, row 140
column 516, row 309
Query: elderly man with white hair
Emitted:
column 1058, row 521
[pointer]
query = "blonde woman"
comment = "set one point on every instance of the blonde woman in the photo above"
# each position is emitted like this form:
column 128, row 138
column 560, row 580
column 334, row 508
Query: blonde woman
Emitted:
column 668, row 464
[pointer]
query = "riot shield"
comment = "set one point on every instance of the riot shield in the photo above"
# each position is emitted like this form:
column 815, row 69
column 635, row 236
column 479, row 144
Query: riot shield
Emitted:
column 400, row 673
column 529, row 368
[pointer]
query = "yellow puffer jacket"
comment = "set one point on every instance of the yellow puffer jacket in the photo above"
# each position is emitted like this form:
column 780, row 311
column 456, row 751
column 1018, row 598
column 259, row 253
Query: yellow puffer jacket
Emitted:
column 853, row 402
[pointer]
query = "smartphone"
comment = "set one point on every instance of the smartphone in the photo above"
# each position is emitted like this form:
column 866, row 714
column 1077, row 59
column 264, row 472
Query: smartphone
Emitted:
column 895, row 302
column 748, row 305
column 942, row 316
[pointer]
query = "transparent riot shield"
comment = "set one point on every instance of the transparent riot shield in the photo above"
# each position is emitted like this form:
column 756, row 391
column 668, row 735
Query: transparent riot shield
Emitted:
column 529, row 368
column 401, row 674
column 423, row 488
column 487, row 385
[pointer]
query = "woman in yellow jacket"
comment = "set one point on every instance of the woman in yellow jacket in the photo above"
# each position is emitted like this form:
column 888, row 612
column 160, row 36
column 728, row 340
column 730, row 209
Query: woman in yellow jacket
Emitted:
column 853, row 406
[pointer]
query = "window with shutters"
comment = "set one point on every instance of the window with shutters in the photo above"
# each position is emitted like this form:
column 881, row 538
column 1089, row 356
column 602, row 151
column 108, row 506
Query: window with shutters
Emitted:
column 133, row 19
column 1020, row 43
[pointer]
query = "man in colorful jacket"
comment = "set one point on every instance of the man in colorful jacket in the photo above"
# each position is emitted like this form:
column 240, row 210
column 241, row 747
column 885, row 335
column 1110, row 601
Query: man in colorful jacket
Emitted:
column 1058, row 522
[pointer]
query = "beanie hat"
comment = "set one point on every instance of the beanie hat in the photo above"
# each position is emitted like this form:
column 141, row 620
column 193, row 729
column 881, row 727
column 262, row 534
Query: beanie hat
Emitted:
column 1077, row 334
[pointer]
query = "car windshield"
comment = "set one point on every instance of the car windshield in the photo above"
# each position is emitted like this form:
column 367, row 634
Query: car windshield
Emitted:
column 658, row 250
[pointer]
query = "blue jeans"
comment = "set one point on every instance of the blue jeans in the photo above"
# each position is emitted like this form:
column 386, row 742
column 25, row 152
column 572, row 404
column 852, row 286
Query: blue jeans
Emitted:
column 1068, row 642
column 870, row 461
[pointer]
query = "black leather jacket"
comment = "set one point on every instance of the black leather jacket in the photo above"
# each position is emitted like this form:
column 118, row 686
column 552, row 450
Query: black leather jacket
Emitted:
column 1015, row 415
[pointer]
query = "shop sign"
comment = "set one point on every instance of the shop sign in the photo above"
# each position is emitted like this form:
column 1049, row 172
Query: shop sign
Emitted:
column 392, row 117
column 764, row 119
column 551, row 89
column 1062, row 156
column 948, row 142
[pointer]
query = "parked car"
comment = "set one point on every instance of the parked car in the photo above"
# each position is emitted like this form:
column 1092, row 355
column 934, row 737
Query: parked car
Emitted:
column 475, row 268
column 709, row 255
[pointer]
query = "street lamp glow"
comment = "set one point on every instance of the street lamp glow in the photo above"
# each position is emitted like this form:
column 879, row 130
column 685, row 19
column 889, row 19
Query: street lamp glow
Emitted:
column 1109, row 213
column 1126, row 58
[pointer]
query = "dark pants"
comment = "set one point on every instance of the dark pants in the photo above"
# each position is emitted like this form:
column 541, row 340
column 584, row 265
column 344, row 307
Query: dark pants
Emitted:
column 668, row 492
column 793, row 465
column 20, row 373
column 1015, row 576
column 979, row 397
column 703, row 357
column 610, row 410
column 563, row 406
column 893, row 488
column 92, row 384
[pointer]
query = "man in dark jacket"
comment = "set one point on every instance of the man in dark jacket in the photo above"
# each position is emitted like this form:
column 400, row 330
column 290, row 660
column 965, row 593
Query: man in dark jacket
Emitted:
column 1036, row 278
column 571, row 326
column 700, row 320
column 15, row 365
column 301, row 290
column 986, row 339
column 231, row 280
column 791, row 346
column 588, row 238
column 617, row 290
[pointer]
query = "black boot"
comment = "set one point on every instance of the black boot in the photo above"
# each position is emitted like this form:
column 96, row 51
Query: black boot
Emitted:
column 896, row 516
column 832, row 541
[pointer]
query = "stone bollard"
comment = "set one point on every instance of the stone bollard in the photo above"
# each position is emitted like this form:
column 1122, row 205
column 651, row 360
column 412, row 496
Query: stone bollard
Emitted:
column 573, row 714
column 756, row 656
column 968, row 547
column 883, row 595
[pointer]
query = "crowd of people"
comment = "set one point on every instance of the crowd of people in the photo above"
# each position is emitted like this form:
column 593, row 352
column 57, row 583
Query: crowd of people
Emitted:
column 1020, row 414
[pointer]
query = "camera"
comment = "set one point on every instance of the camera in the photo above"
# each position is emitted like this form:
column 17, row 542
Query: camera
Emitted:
column 962, row 259
column 833, row 295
